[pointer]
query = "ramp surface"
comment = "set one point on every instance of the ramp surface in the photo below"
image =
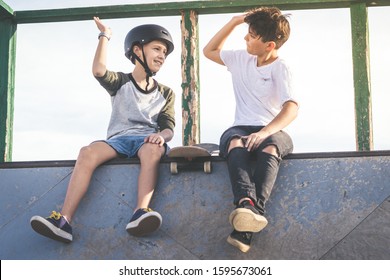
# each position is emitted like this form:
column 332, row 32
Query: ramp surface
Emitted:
column 321, row 208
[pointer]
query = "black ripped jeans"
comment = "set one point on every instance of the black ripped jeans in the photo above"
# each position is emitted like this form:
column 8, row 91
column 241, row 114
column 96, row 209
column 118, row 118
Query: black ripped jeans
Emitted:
column 258, row 183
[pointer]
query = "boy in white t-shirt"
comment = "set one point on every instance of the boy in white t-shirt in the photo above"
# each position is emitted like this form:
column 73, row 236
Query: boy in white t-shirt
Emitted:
column 264, row 106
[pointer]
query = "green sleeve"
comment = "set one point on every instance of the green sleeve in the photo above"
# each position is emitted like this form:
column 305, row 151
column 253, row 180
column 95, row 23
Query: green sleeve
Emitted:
column 166, row 118
column 113, row 81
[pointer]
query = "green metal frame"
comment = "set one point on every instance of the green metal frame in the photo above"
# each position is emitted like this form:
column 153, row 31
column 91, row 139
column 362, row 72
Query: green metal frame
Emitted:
column 7, row 80
column 190, row 78
column 9, row 20
column 361, row 72
column 175, row 8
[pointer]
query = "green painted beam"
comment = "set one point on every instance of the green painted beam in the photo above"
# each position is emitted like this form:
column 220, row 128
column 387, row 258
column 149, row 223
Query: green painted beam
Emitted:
column 5, row 10
column 175, row 8
column 361, row 73
column 7, row 86
column 190, row 78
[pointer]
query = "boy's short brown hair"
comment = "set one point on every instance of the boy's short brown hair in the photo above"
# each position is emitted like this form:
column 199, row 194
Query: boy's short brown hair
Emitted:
column 270, row 24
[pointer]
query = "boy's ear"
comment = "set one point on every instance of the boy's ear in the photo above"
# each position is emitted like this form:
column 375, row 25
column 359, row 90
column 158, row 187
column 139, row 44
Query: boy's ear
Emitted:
column 271, row 45
column 137, row 49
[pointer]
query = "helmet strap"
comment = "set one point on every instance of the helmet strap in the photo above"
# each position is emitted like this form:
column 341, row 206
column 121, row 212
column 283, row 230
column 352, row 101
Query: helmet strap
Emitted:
column 145, row 65
column 149, row 73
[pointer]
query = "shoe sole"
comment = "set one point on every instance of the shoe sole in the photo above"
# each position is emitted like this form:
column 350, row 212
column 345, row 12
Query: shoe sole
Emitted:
column 241, row 246
column 45, row 228
column 148, row 224
column 243, row 219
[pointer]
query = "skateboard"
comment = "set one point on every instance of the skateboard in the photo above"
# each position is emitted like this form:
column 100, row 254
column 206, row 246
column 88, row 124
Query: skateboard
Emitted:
column 192, row 157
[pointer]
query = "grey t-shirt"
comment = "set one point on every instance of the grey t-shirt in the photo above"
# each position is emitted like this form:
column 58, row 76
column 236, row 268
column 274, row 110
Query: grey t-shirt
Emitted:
column 135, row 111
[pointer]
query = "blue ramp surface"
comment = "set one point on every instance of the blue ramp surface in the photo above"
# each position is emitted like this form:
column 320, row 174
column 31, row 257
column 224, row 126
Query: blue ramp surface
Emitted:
column 332, row 206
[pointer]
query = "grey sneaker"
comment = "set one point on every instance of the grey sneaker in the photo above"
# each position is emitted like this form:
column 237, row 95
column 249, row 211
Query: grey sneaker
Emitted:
column 246, row 218
column 143, row 222
column 55, row 227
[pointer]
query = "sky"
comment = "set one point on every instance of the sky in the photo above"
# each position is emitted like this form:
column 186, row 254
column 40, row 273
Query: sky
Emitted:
column 60, row 107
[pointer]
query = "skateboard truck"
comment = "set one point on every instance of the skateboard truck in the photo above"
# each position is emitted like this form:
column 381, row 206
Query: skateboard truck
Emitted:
column 192, row 157
column 174, row 166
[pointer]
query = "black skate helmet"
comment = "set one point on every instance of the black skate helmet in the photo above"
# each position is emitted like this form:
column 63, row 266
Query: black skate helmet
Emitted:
column 144, row 34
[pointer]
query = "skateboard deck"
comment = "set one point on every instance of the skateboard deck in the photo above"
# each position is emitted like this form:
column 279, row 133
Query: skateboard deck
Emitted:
column 192, row 157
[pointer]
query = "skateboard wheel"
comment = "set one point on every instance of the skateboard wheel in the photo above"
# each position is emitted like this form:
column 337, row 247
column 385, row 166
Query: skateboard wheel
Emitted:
column 174, row 168
column 207, row 167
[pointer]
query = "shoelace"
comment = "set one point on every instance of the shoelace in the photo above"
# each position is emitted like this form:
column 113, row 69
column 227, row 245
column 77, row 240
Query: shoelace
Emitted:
column 55, row 215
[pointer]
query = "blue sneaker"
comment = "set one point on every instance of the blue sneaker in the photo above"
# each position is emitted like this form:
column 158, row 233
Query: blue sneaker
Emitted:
column 246, row 218
column 55, row 227
column 143, row 222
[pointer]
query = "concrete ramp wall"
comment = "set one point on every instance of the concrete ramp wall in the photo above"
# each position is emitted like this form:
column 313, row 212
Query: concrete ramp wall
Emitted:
column 324, row 206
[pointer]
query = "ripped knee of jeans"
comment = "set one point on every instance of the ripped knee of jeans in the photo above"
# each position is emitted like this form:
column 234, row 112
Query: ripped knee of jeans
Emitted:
column 236, row 142
column 272, row 150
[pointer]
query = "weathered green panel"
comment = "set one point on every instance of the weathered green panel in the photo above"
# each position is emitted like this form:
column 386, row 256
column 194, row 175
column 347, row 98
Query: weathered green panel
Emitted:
column 7, row 84
column 190, row 78
column 5, row 10
column 175, row 8
column 361, row 72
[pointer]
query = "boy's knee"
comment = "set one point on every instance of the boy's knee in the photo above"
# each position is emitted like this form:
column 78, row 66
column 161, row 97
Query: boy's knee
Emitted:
column 235, row 143
column 272, row 150
column 85, row 153
column 151, row 151
column 86, row 157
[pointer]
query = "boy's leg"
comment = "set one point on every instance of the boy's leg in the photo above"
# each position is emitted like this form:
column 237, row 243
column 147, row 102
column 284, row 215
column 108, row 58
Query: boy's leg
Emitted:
column 238, row 162
column 150, row 156
column 145, row 220
column 269, row 156
column 90, row 157
column 266, row 171
column 56, row 226
column 245, row 218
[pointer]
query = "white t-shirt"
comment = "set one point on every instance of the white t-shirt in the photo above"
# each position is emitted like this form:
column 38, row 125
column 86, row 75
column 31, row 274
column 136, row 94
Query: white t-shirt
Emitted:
column 260, row 92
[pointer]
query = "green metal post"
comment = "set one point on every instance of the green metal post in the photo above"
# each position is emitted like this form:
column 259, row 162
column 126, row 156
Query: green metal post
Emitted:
column 7, row 83
column 361, row 73
column 190, row 78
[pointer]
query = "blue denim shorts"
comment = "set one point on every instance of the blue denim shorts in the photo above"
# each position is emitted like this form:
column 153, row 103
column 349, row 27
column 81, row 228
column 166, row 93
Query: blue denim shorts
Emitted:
column 280, row 139
column 127, row 146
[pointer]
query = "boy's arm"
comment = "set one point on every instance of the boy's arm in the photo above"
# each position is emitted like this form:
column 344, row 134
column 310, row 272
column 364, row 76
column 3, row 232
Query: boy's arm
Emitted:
column 288, row 113
column 213, row 48
column 167, row 134
column 165, row 120
column 99, row 61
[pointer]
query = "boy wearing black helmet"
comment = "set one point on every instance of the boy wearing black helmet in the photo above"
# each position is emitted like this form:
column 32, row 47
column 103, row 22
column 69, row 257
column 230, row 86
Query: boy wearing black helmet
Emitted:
column 265, row 105
column 142, row 122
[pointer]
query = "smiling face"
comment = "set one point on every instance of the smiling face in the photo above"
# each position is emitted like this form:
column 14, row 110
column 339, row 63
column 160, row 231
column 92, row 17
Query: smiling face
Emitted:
column 155, row 53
